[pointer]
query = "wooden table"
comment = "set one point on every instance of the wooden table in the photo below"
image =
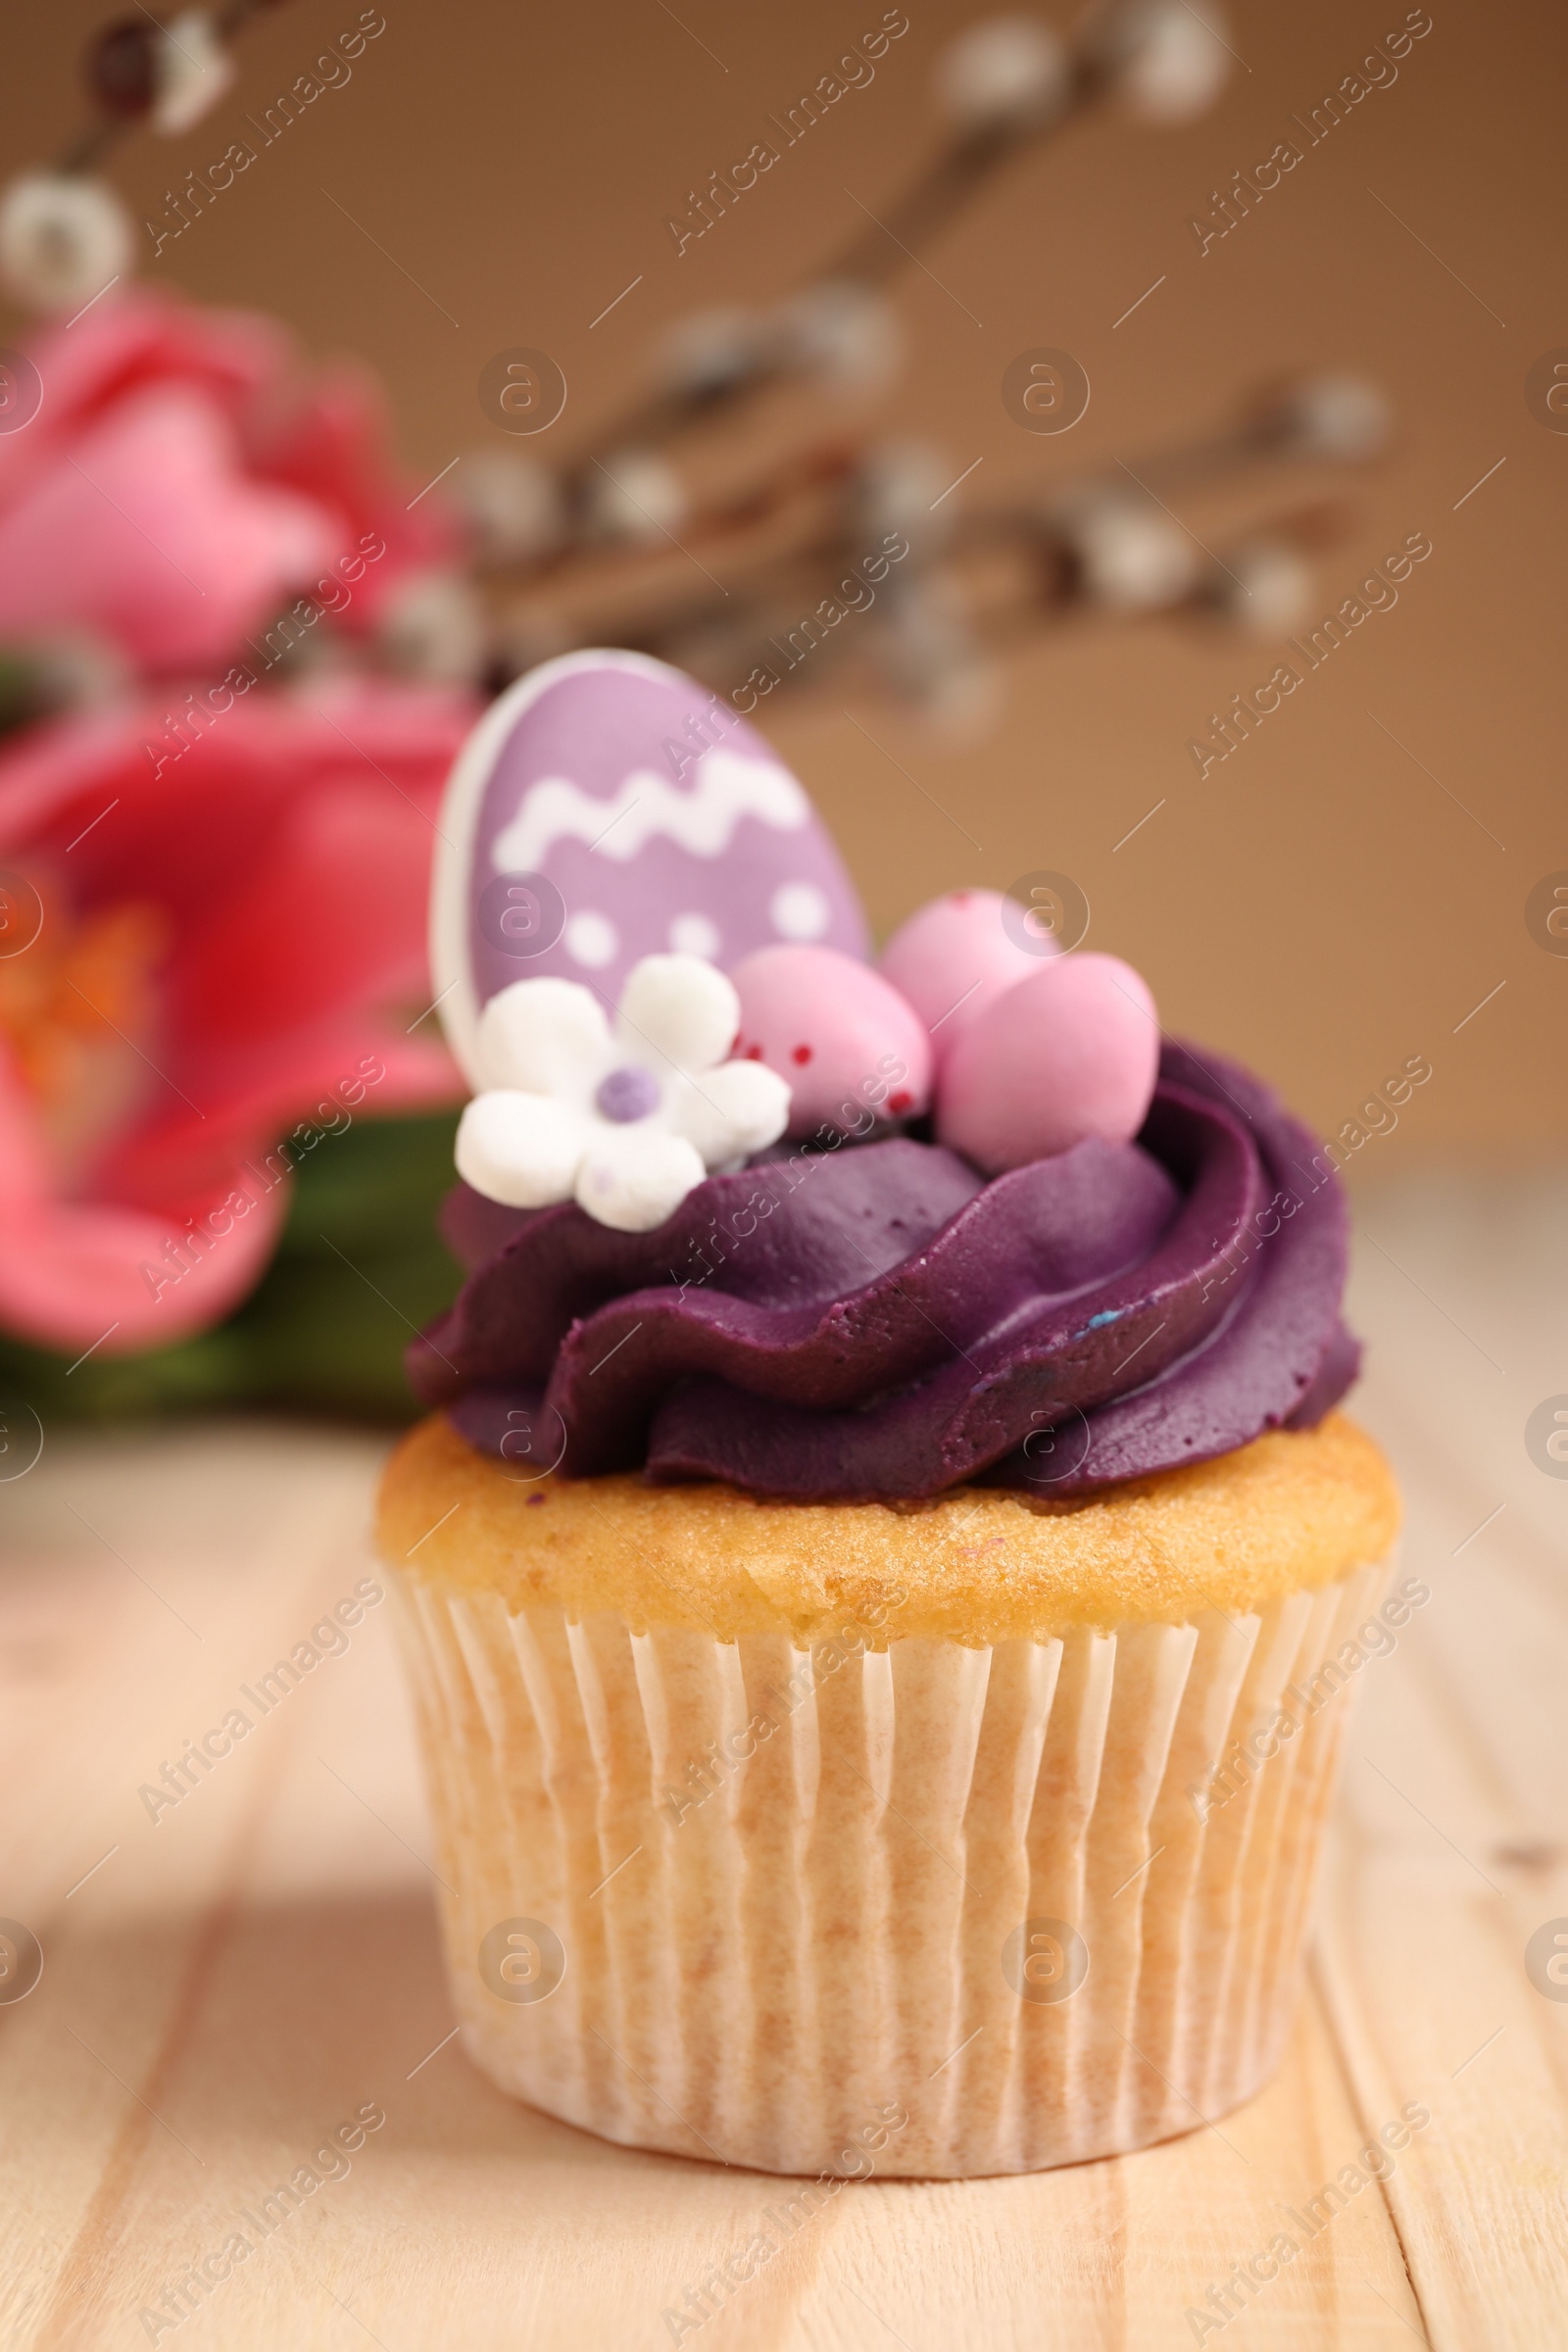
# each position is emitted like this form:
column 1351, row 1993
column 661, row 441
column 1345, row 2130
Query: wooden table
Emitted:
column 225, row 1984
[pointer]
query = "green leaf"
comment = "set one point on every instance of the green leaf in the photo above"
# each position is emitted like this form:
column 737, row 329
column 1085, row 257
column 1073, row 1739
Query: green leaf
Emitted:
column 358, row 1270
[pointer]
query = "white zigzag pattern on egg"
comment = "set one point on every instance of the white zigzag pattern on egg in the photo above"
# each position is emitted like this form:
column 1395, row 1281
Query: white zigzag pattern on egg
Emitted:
column 702, row 822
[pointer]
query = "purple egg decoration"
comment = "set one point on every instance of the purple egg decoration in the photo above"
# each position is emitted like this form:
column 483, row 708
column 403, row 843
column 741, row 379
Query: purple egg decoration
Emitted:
column 608, row 807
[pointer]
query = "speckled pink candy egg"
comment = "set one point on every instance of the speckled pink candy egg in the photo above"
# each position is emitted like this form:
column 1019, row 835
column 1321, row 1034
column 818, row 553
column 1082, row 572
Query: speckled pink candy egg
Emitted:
column 852, row 1049
column 1070, row 1052
column 953, row 959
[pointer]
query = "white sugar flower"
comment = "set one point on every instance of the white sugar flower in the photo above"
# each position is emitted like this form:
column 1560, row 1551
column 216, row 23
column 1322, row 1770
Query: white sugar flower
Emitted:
column 626, row 1120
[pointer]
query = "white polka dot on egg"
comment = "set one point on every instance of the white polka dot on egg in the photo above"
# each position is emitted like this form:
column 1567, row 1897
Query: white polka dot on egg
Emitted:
column 800, row 910
column 591, row 939
column 695, row 935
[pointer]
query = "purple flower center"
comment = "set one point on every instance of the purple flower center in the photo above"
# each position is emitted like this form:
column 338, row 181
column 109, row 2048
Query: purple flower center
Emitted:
column 627, row 1093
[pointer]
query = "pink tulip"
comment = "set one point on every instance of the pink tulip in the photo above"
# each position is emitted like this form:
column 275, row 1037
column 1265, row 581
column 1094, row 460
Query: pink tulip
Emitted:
column 182, row 482
column 232, row 942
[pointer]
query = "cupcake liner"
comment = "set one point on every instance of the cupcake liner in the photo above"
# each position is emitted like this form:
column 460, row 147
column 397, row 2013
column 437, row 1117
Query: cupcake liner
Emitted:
column 924, row 1910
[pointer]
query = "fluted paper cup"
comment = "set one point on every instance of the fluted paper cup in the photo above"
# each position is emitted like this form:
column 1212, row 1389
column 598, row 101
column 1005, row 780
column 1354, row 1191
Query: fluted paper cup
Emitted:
column 922, row 1909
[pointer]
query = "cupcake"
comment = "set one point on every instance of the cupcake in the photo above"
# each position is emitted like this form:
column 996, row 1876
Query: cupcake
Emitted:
column 882, row 1568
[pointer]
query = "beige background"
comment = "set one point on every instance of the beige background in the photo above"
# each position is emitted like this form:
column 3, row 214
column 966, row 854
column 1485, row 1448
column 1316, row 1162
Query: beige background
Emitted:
column 1318, row 906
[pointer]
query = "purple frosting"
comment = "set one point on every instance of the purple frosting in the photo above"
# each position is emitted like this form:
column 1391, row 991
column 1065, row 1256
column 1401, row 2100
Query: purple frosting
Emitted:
column 881, row 1322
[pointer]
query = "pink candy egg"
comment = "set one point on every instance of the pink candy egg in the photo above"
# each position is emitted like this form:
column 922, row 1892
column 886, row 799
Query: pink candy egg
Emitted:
column 955, row 958
column 849, row 1045
column 1072, row 1051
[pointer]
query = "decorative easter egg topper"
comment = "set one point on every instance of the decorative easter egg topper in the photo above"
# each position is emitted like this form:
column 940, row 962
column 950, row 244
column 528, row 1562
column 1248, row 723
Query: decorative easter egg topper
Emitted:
column 626, row 1120
column 609, row 825
column 606, row 808
column 955, row 958
column 1072, row 1051
column 854, row 1052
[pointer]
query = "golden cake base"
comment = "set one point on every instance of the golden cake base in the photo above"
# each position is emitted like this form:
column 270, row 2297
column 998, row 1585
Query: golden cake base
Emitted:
column 838, row 1838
